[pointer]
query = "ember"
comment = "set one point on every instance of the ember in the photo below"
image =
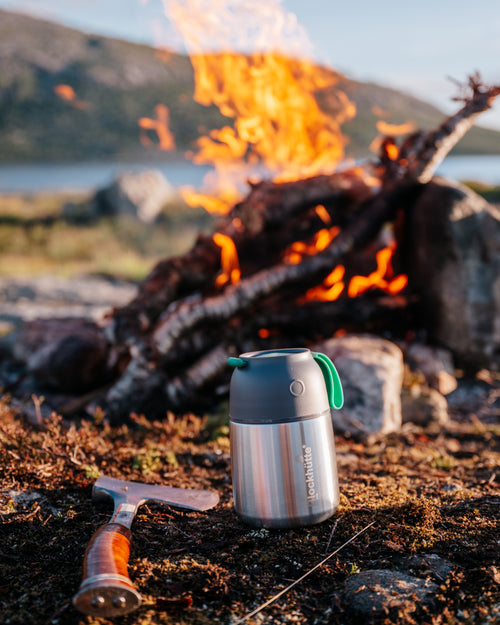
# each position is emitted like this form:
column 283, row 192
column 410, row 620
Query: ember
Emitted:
column 229, row 260
column 67, row 93
column 160, row 126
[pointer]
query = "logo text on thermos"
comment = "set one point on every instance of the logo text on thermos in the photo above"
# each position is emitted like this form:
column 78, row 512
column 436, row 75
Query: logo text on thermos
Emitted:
column 312, row 495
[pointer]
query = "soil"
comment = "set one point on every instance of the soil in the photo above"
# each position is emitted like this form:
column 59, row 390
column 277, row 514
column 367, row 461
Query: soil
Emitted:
column 430, row 557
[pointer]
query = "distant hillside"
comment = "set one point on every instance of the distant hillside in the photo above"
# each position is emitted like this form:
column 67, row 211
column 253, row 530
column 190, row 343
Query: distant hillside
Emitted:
column 117, row 82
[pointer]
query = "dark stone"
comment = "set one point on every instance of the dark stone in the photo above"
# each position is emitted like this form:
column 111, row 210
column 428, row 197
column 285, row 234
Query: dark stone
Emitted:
column 379, row 592
column 452, row 257
column 67, row 354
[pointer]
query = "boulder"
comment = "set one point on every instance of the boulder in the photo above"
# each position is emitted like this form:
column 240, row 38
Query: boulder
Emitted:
column 452, row 258
column 371, row 370
column 142, row 194
column 435, row 364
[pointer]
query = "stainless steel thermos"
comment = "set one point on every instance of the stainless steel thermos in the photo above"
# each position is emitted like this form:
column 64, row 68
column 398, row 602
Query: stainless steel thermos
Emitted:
column 283, row 462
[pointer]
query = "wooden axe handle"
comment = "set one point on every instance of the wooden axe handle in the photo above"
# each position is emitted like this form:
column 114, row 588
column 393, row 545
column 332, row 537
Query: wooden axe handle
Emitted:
column 106, row 589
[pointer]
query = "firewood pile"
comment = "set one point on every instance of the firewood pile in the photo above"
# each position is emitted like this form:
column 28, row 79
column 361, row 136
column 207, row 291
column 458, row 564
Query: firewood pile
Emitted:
column 280, row 270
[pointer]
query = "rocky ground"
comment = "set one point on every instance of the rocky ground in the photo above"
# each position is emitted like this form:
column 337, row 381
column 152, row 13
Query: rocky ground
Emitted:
column 431, row 555
column 49, row 296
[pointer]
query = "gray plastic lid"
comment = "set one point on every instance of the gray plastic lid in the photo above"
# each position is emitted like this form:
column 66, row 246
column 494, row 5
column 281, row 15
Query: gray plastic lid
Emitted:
column 276, row 386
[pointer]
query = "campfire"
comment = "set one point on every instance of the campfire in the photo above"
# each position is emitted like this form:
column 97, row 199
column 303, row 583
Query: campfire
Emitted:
column 317, row 247
column 375, row 265
column 295, row 261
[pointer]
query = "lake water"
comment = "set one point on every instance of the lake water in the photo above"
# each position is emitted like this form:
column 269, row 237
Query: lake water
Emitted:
column 88, row 176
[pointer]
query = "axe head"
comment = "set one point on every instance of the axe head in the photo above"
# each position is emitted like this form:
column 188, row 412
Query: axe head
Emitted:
column 136, row 493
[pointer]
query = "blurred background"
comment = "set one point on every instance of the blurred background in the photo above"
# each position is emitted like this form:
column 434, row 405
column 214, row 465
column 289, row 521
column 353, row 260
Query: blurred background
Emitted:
column 102, row 123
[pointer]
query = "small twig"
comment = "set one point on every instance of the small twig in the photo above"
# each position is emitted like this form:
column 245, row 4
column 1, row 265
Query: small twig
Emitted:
column 331, row 536
column 58, row 612
column 285, row 590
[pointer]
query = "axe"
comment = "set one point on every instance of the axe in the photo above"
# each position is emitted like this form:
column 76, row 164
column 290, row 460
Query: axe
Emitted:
column 106, row 589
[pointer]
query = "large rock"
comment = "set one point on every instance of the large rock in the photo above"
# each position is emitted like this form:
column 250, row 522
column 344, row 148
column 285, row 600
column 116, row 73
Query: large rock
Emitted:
column 381, row 593
column 424, row 406
column 452, row 257
column 143, row 194
column 70, row 355
column 435, row 364
column 371, row 370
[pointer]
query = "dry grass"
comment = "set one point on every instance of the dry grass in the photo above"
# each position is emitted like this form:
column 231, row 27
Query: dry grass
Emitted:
column 36, row 238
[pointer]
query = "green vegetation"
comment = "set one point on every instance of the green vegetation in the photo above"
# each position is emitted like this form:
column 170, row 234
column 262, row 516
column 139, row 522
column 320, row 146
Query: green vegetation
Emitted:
column 490, row 193
column 37, row 238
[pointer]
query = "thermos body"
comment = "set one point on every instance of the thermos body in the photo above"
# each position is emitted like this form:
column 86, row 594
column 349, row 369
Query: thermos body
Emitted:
column 285, row 474
column 283, row 462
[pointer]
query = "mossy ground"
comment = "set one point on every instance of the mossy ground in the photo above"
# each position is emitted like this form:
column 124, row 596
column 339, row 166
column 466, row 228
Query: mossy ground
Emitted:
column 429, row 492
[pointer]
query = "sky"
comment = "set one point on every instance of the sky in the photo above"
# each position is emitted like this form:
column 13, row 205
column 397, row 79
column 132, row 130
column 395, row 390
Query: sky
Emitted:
column 417, row 47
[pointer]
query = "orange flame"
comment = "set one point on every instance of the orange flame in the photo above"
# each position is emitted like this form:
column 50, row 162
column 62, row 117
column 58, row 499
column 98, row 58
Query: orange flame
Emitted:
column 278, row 127
column 321, row 240
column 160, row 125
column 390, row 130
column 323, row 214
column 67, row 93
column 378, row 278
column 392, row 151
column 394, row 129
column 229, row 260
column 331, row 288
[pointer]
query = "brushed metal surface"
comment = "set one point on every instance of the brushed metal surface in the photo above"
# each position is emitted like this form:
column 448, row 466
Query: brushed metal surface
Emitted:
column 284, row 474
column 137, row 493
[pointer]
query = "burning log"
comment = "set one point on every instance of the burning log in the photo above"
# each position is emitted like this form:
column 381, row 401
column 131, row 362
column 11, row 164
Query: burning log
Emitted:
column 257, row 220
column 189, row 316
column 270, row 205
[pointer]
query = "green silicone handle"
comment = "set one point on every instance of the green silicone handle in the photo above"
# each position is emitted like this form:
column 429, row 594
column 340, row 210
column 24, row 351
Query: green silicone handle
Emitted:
column 332, row 380
column 236, row 362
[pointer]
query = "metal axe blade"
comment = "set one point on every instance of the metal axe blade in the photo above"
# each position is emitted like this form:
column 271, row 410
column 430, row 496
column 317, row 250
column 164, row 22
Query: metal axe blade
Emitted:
column 106, row 589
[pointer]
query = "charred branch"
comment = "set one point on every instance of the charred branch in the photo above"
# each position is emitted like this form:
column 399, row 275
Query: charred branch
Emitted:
column 239, row 297
column 422, row 152
column 258, row 218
